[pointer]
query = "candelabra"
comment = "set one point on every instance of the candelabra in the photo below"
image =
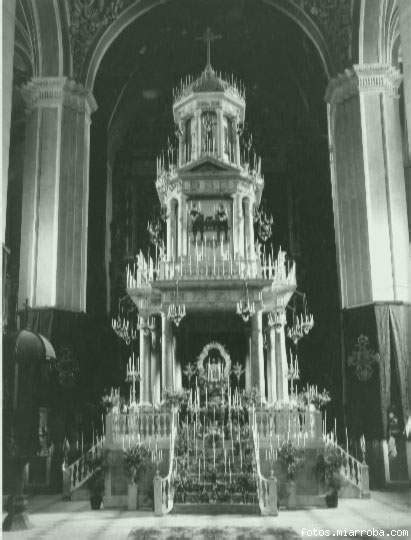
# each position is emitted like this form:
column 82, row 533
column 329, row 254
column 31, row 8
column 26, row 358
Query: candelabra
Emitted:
column 132, row 376
column 146, row 325
column 124, row 329
column 277, row 320
column 295, row 332
column 293, row 373
column 306, row 323
column 177, row 311
column 245, row 308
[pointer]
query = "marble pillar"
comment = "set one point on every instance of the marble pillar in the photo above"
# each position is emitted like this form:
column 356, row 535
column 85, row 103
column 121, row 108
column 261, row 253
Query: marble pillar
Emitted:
column 9, row 14
column 53, row 253
column 177, row 370
column 257, row 358
column 388, row 238
column 248, row 356
column 368, row 186
column 145, row 366
column 166, row 356
column 281, row 366
column 197, row 139
column 271, row 367
column 220, row 134
column 247, row 231
column 155, row 364
column 405, row 37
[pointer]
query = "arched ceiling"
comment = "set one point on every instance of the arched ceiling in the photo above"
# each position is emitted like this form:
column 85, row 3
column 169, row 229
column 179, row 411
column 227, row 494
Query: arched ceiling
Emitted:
column 281, row 69
column 95, row 24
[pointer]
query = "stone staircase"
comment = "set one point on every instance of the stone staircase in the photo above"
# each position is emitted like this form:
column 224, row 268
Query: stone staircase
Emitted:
column 214, row 471
column 79, row 472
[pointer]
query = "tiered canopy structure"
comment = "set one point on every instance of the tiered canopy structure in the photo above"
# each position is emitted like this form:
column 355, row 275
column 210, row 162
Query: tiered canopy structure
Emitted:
column 210, row 265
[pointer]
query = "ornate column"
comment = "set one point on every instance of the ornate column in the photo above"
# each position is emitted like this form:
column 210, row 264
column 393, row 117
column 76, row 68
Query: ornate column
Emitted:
column 271, row 366
column 9, row 23
column 220, row 134
column 180, row 231
column 281, row 366
column 155, row 363
column 169, row 225
column 55, row 194
column 367, row 174
column 257, row 357
column 145, row 368
column 176, row 365
column 197, row 123
column 166, row 358
column 246, row 221
column 247, row 374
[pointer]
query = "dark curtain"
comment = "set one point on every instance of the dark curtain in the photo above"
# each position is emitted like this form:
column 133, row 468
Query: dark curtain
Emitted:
column 388, row 328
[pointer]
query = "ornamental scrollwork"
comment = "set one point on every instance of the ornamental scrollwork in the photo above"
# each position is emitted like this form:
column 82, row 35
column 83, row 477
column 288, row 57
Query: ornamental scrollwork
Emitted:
column 363, row 359
column 88, row 18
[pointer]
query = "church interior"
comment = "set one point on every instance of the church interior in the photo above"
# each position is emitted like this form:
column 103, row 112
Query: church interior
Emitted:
column 206, row 258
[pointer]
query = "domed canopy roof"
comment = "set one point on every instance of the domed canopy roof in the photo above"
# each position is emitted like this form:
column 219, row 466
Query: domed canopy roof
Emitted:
column 209, row 81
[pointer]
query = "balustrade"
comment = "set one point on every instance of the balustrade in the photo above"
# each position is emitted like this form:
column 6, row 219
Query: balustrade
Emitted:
column 78, row 472
column 276, row 426
column 266, row 487
column 133, row 427
column 354, row 471
column 164, row 487
column 214, row 266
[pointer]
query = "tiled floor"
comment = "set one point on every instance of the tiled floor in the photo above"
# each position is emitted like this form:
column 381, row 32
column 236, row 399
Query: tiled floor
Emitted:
column 53, row 518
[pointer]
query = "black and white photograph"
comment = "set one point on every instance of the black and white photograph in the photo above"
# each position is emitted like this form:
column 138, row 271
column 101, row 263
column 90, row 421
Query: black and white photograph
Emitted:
column 206, row 269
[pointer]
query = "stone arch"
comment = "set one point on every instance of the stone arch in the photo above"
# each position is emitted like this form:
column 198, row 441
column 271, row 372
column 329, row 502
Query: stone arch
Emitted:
column 42, row 37
column 378, row 31
column 289, row 8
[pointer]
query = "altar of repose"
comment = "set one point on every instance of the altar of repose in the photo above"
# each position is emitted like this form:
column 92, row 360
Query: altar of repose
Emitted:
column 210, row 267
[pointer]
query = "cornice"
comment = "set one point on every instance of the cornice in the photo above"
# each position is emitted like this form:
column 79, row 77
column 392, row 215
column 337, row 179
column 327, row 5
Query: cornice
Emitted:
column 54, row 91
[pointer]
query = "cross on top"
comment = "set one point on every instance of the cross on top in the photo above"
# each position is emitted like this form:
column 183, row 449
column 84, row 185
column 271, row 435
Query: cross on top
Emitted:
column 208, row 37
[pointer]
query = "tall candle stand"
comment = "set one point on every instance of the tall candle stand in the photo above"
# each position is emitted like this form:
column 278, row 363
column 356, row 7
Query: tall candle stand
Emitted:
column 132, row 377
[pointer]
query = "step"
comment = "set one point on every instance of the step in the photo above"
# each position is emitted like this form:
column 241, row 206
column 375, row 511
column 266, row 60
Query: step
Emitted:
column 215, row 508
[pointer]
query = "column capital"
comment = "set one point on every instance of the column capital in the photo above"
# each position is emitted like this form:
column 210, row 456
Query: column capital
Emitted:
column 378, row 78
column 49, row 91
column 363, row 78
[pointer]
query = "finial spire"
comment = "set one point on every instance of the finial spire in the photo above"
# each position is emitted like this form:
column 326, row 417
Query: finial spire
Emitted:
column 208, row 37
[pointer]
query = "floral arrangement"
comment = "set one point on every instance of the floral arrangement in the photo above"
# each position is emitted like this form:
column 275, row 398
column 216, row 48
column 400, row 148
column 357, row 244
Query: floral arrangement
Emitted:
column 137, row 460
column 290, row 459
column 328, row 467
column 319, row 399
column 175, row 398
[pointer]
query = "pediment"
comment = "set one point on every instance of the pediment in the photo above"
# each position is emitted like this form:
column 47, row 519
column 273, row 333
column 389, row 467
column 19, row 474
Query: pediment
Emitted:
column 209, row 165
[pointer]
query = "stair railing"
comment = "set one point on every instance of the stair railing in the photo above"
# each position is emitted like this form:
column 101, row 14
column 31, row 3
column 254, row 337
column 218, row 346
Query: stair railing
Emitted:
column 164, row 487
column 266, row 487
column 353, row 471
column 78, row 472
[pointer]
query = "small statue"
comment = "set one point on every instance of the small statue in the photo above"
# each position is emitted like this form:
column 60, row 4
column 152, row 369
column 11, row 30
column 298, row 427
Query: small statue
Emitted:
column 221, row 220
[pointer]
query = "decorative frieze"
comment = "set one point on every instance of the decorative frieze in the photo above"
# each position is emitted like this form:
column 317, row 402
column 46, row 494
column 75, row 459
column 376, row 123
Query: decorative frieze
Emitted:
column 53, row 91
column 364, row 78
column 376, row 78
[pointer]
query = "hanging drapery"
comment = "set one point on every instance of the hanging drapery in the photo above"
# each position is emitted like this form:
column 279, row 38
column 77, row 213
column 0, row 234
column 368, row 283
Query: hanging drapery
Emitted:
column 382, row 320
column 400, row 321
column 377, row 334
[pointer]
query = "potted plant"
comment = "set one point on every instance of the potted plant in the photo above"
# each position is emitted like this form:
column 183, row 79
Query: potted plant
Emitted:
column 136, row 460
column 95, row 485
column 329, row 472
column 290, row 460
